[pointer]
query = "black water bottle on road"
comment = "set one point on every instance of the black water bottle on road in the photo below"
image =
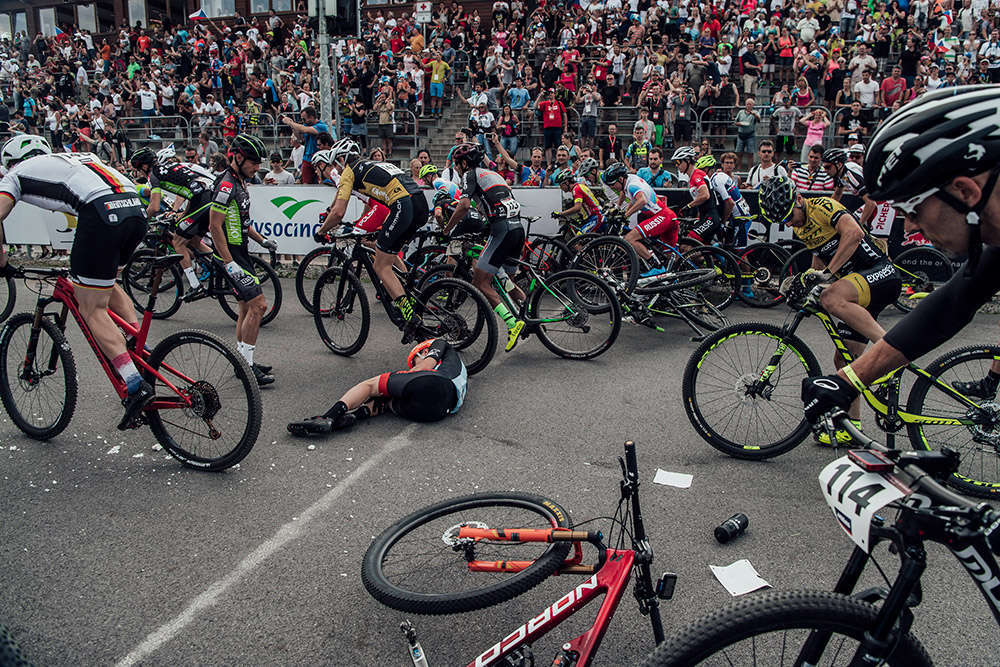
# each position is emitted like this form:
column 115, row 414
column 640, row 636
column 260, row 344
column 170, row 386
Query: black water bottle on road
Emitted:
column 732, row 527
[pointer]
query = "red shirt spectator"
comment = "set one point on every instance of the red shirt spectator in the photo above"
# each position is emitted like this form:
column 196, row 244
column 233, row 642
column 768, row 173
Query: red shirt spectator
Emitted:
column 143, row 43
column 552, row 113
column 893, row 88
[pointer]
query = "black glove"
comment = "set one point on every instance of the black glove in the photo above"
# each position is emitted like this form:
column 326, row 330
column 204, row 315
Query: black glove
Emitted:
column 320, row 237
column 821, row 395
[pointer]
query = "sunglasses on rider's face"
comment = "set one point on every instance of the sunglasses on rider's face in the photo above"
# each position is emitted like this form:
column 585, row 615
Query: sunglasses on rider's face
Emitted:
column 908, row 208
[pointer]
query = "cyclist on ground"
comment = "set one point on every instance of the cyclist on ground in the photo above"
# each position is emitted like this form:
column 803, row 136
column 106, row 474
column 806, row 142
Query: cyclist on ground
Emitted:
column 390, row 186
column 654, row 218
column 111, row 221
column 937, row 159
column 862, row 280
column 735, row 209
column 585, row 203
column 496, row 201
column 230, row 225
column 849, row 183
column 704, row 201
column 432, row 387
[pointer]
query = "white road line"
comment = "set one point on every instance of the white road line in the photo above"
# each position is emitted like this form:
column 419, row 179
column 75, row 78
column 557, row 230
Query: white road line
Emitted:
column 287, row 533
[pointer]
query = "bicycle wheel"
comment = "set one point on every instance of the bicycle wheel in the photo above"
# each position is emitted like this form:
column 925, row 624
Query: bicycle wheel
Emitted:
column 41, row 399
column 580, row 315
column 269, row 285
column 722, row 290
column 760, row 274
column 340, row 311
column 137, row 278
column 729, row 404
column 922, row 269
column 797, row 262
column 456, row 311
column 546, row 254
column 772, row 628
column 310, row 268
column 220, row 426
column 420, row 565
column 10, row 651
column 609, row 255
column 8, row 296
column 691, row 303
column 979, row 444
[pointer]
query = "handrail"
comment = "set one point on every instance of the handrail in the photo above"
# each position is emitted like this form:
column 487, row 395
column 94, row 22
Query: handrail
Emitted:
column 149, row 125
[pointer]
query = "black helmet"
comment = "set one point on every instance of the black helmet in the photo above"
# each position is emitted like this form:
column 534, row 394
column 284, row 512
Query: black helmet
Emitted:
column 249, row 147
column 565, row 176
column 442, row 198
column 776, row 198
column 614, row 172
column 471, row 154
column 143, row 156
column 835, row 155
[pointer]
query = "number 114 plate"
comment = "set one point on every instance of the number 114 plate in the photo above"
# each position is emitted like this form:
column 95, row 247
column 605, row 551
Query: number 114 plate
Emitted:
column 855, row 495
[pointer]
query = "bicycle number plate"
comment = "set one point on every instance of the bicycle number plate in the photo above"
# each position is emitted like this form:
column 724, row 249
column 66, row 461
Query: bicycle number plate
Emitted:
column 855, row 496
column 509, row 207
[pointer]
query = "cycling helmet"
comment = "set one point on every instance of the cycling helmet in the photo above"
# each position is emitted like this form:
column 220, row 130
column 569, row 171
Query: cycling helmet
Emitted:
column 165, row 155
column 343, row 149
column 706, row 162
column 143, row 157
column 321, row 157
column 856, row 149
column 21, row 147
column 471, row 154
column 565, row 176
column 614, row 172
column 944, row 133
column 587, row 165
column 427, row 170
column 776, row 198
column 442, row 198
column 835, row 155
column 412, row 359
column 684, row 153
column 249, row 147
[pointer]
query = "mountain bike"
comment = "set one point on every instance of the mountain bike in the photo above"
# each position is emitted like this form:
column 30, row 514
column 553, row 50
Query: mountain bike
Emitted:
column 477, row 551
column 137, row 274
column 922, row 269
column 575, row 314
column 451, row 309
column 207, row 408
column 868, row 627
column 741, row 393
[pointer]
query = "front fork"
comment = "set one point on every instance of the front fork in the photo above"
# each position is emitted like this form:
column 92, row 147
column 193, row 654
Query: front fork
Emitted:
column 772, row 365
column 36, row 329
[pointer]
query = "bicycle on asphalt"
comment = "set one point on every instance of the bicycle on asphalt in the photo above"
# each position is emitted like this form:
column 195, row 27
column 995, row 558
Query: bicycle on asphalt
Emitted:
column 451, row 309
column 477, row 551
column 574, row 313
column 741, row 393
column 206, row 412
column 848, row 627
column 137, row 274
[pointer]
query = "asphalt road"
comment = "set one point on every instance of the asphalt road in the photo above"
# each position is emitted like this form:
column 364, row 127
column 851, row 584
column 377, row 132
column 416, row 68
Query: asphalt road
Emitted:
column 112, row 552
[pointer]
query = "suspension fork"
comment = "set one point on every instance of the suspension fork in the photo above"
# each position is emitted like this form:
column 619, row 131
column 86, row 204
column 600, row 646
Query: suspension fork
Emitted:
column 786, row 332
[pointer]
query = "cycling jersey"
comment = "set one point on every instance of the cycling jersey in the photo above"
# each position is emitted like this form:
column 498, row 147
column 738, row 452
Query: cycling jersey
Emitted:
column 709, row 208
column 725, row 188
column 819, row 234
column 428, row 395
column 383, row 182
column 491, row 191
column 451, row 188
column 635, row 185
column 64, row 182
column 582, row 194
column 231, row 198
column 853, row 184
column 183, row 179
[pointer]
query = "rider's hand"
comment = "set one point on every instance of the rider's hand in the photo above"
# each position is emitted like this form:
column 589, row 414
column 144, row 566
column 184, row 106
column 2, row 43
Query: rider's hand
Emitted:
column 234, row 269
column 556, row 214
column 821, row 395
column 320, row 237
column 270, row 244
column 812, row 277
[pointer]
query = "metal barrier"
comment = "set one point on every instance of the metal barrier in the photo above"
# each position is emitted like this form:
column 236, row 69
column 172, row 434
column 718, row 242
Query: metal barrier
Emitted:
column 152, row 129
column 713, row 119
column 400, row 118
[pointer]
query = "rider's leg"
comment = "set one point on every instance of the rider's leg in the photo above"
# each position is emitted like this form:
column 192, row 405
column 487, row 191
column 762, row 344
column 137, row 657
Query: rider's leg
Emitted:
column 634, row 239
column 856, row 348
column 841, row 299
column 384, row 262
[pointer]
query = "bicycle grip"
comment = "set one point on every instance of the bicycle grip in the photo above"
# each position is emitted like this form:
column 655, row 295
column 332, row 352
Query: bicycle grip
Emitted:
column 631, row 466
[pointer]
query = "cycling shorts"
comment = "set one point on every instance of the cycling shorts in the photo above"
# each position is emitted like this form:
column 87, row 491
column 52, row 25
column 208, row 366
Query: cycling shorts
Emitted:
column 108, row 230
column 877, row 287
column 195, row 220
column 662, row 225
column 590, row 225
column 420, row 396
column 374, row 216
column 406, row 215
column 247, row 286
column 505, row 244
column 706, row 229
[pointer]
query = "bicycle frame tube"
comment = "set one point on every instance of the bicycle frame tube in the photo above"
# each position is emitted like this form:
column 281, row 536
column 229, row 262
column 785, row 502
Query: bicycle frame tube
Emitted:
column 609, row 581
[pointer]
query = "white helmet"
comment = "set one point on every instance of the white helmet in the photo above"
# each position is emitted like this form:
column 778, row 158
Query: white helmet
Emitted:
column 165, row 155
column 321, row 157
column 21, row 147
column 343, row 149
column 684, row 153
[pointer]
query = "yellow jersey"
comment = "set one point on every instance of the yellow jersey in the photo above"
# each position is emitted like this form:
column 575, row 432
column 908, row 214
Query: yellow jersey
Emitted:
column 819, row 234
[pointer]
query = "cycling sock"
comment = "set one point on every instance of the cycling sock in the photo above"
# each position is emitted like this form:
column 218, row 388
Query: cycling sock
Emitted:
column 505, row 315
column 192, row 278
column 126, row 368
column 246, row 349
column 405, row 306
column 339, row 409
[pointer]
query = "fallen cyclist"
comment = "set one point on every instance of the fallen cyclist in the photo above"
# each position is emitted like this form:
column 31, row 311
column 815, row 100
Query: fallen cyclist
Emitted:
column 433, row 386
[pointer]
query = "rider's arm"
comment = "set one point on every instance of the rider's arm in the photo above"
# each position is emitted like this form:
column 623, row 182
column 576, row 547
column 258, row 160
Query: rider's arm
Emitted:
column 574, row 209
column 6, row 204
column 155, row 199
column 461, row 210
column 298, row 127
column 867, row 212
column 727, row 208
column 255, row 235
column 701, row 197
column 333, row 218
column 851, row 235
column 637, row 203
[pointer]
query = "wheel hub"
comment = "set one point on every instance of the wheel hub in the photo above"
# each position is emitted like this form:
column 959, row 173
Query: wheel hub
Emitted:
column 750, row 387
column 762, row 275
column 205, row 403
column 987, row 432
column 28, row 379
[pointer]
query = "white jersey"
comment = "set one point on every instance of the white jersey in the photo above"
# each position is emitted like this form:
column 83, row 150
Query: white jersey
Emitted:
column 726, row 188
column 63, row 182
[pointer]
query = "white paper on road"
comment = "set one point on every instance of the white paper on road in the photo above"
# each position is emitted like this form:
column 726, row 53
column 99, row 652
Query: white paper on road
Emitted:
column 739, row 578
column 679, row 479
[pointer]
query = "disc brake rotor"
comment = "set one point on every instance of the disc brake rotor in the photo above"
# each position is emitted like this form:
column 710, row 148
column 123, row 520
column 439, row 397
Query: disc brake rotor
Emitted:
column 205, row 403
column 988, row 433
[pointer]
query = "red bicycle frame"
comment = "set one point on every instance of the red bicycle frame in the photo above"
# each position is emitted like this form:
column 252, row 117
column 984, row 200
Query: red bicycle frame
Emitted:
column 609, row 580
